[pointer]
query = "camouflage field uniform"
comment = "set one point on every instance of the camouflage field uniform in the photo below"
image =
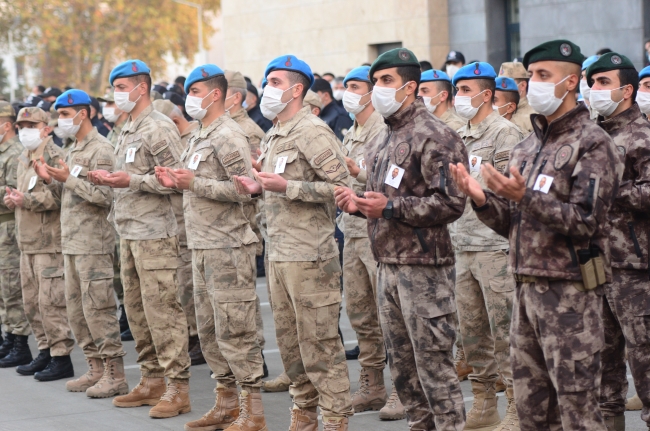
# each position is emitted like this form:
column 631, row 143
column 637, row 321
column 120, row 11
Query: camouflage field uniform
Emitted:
column 415, row 284
column 452, row 119
column 484, row 287
column 88, row 242
column 223, row 254
column 359, row 266
column 41, row 262
column 304, row 269
column 144, row 219
column 557, row 330
column 112, row 137
column 11, row 295
column 521, row 118
column 627, row 306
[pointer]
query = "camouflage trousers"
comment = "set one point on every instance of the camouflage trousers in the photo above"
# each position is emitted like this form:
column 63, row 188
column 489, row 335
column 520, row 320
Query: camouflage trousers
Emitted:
column 626, row 317
column 117, row 279
column 41, row 277
column 306, row 299
column 156, row 318
column 11, row 297
column 91, row 304
column 416, row 308
column 186, row 289
column 484, row 293
column 360, row 284
column 225, row 301
column 555, row 345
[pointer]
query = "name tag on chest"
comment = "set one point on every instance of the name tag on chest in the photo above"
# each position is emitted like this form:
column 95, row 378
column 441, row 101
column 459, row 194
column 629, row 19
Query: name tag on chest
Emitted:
column 75, row 171
column 194, row 161
column 280, row 164
column 130, row 155
column 394, row 176
column 32, row 182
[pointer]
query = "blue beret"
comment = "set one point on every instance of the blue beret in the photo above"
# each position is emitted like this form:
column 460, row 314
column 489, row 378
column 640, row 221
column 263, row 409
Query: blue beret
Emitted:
column 202, row 73
column 503, row 83
column 72, row 98
column 645, row 72
column 128, row 68
column 478, row 70
column 292, row 64
column 357, row 74
column 589, row 61
column 434, row 75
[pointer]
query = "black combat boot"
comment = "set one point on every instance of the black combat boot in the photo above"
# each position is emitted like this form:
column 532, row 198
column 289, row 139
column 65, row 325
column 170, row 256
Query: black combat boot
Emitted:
column 352, row 354
column 36, row 365
column 196, row 354
column 7, row 345
column 265, row 369
column 124, row 323
column 60, row 367
column 126, row 335
column 19, row 354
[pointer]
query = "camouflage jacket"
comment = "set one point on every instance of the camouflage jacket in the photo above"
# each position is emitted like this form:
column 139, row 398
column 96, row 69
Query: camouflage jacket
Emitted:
column 521, row 117
column 426, row 199
column 354, row 147
column 545, row 230
column 452, row 119
column 300, row 222
column 143, row 210
column 177, row 198
column 488, row 142
column 85, row 206
column 251, row 129
column 630, row 222
column 9, row 252
column 214, row 217
column 38, row 222
column 114, row 134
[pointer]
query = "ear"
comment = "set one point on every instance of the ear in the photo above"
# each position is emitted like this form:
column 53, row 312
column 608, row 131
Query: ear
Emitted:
column 411, row 88
column 444, row 96
column 297, row 91
column 216, row 95
column 573, row 81
column 627, row 92
column 487, row 96
column 511, row 108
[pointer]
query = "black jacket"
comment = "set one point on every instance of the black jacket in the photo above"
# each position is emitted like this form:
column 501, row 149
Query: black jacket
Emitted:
column 337, row 118
column 256, row 115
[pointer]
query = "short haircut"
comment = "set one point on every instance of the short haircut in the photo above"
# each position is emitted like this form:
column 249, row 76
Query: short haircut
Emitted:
column 629, row 77
column 445, row 86
column 322, row 85
column 41, row 88
column 219, row 82
column 328, row 74
column 11, row 119
column 299, row 78
column 526, row 80
column 410, row 73
column 511, row 97
column 82, row 108
column 137, row 79
column 241, row 91
column 425, row 65
column 603, row 51
column 487, row 84
column 180, row 80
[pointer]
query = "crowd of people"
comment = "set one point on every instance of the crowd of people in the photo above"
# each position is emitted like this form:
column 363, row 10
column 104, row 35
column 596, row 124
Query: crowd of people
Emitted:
column 503, row 216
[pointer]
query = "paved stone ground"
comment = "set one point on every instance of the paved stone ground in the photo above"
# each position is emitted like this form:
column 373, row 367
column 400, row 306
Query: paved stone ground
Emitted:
column 26, row 404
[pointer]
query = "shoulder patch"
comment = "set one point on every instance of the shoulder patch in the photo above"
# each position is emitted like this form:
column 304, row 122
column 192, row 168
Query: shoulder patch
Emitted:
column 562, row 157
column 334, row 169
column 503, row 155
column 323, row 156
column 104, row 162
column 230, row 158
column 166, row 158
column 402, row 151
column 158, row 147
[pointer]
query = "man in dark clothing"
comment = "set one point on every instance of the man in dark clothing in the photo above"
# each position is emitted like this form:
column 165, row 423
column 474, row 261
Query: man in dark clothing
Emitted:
column 253, row 107
column 332, row 113
column 99, row 123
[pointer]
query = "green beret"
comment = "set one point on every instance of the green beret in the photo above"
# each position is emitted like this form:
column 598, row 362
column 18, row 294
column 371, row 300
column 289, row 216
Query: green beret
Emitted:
column 394, row 58
column 607, row 62
column 555, row 50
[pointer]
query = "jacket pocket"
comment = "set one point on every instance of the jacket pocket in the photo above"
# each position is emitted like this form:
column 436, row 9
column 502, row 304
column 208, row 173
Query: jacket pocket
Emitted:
column 98, row 284
column 161, row 271
column 502, row 284
column 579, row 361
column 638, row 331
column 53, row 287
column 320, row 314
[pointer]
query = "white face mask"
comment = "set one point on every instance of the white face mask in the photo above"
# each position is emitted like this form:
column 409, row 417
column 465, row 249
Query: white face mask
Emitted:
column 541, row 96
column 427, row 102
column 383, row 99
column 30, row 138
column 601, row 101
column 351, row 102
column 110, row 115
column 230, row 107
column 193, row 106
column 451, row 70
column 272, row 104
column 496, row 108
column 67, row 126
column 2, row 136
column 464, row 106
column 338, row 94
column 643, row 100
column 122, row 100
column 584, row 89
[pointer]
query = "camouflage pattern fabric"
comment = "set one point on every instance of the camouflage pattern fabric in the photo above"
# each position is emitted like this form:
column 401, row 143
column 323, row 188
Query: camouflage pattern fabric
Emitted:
column 521, row 118
column 451, row 119
column 14, row 319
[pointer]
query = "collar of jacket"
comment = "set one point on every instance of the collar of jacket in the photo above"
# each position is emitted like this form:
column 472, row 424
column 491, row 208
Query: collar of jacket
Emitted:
column 406, row 116
column 477, row 130
column 133, row 124
column 560, row 125
column 621, row 120
column 205, row 131
column 239, row 114
column 89, row 137
column 191, row 128
column 283, row 129
column 366, row 128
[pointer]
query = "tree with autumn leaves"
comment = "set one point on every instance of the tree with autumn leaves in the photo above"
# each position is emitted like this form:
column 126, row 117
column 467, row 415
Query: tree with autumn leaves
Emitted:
column 77, row 42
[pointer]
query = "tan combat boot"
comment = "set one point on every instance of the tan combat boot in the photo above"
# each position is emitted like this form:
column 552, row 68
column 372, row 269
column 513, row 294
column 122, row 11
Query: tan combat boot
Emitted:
column 251, row 412
column 335, row 424
column 393, row 410
column 222, row 415
column 175, row 401
column 510, row 421
column 279, row 384
column 483, row 416
column 112, row 383
column 92, row 376
column 499, row 386
column 303, row 420
column 372, row 391
column 147, row 393
column 615, row 423
column 634, row 403
column 460, row 363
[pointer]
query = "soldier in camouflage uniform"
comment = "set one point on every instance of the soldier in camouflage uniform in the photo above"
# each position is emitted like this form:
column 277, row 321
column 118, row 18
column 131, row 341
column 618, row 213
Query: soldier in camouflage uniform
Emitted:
column 627, row 305
column 300, row 166
column 484, row 287
column 553, row 206
column 409, row 202
column 437, row 93
column 41, row 262
column 144, row 219
column 88, row 244
column 14, row 347
column 521, row 117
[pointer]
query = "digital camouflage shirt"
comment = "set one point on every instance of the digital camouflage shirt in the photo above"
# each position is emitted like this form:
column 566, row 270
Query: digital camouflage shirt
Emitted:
column 251, row 129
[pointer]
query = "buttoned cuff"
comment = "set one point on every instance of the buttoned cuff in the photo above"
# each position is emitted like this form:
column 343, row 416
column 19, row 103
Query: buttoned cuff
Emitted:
column 71, row 182
column 397, row 208
column 135, row 182
column 192, row 186
column 27, row 201
column 293, row 189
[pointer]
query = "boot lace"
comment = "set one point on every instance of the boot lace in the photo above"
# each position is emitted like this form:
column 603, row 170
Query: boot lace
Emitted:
column 364, row 381
column 109, row 369
column 332, row 425
column 170, row 393
column 244, row 414
column 392, row 399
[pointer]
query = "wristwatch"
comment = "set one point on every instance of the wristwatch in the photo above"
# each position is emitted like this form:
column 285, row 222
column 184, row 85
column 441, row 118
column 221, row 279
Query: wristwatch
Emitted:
column 387, row 213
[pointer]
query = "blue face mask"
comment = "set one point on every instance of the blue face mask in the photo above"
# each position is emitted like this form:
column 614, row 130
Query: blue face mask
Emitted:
column 244, row 105
column 352, row 117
